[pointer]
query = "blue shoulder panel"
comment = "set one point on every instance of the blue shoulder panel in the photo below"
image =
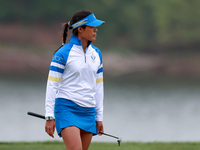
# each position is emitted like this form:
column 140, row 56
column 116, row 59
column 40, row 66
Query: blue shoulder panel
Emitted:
column 62, row 54
column 100, row 56
column 99, row 52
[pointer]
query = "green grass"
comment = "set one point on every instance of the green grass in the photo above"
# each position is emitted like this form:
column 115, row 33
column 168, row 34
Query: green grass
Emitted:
column 102, row 146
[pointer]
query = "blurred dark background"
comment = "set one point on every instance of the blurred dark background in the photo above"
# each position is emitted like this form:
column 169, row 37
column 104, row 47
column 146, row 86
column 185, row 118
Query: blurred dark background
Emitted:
column 154, row 37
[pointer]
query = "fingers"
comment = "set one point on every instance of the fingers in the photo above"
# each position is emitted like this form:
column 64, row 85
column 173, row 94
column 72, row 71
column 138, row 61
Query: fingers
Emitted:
column 50, row 131
column 50, row 128
column 100, row 127
column 100, row 130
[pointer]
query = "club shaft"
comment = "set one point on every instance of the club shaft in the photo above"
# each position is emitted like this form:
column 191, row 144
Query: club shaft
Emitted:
column 109, row 135
column 36, row 115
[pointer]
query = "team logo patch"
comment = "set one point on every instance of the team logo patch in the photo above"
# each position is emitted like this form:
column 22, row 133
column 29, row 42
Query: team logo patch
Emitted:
column 93, row 57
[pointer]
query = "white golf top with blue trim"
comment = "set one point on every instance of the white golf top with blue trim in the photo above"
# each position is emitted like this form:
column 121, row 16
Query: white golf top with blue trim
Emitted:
column 76, row 76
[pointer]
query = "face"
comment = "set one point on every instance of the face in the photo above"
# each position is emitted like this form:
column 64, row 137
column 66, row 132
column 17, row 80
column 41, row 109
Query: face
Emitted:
column 89, row 33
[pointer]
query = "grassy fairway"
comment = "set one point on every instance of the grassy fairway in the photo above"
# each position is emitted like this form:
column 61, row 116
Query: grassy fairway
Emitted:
column 102, row 146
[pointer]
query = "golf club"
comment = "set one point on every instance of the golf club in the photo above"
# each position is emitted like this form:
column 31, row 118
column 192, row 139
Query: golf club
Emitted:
column 43, row 117
column 36, row 115
column 118, row 138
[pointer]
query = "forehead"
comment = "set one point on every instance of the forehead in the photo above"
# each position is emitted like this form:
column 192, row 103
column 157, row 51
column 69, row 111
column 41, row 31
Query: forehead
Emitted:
column 90, row 27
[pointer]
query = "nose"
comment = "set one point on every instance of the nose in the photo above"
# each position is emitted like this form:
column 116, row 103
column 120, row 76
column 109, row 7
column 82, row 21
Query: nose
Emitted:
column 95, row 29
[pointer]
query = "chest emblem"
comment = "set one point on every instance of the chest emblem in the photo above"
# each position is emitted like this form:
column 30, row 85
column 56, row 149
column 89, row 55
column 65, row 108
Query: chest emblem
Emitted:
column 93, row 57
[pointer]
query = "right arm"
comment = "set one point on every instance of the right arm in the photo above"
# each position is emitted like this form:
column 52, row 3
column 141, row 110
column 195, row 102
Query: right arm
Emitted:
column 54, row 78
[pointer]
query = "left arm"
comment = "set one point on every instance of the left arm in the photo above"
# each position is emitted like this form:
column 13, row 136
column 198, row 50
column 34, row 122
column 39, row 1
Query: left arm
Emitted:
column 99, row 96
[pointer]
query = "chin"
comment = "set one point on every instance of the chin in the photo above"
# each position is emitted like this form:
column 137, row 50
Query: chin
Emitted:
column 93, row 39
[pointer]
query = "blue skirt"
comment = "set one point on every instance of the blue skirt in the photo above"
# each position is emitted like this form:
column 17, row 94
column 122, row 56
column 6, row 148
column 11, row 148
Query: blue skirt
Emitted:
column 68, row 113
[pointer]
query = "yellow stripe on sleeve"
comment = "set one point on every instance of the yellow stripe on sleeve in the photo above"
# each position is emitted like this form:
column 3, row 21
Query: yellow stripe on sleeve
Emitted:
column 99, row 80
column 54, row 79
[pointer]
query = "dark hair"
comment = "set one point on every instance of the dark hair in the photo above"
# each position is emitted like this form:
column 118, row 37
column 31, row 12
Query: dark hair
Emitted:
column 76, row 17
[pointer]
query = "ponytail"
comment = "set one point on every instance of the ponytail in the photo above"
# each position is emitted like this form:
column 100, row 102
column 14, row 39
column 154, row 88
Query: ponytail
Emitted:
column 76, row 17
column 64, row 35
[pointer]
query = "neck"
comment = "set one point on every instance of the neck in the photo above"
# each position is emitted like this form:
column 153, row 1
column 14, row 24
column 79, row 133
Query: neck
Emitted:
column 84, row 43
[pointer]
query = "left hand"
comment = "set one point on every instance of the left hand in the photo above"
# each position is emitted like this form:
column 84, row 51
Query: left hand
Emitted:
column 99, row 125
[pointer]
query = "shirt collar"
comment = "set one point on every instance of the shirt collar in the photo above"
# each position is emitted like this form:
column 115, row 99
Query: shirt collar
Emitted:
column 77, row 41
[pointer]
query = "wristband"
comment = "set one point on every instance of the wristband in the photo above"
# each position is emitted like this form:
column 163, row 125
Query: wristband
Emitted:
column 49, row 118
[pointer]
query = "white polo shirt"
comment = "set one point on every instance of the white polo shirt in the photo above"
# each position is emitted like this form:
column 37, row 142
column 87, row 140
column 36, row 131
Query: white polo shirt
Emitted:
column 76, row 76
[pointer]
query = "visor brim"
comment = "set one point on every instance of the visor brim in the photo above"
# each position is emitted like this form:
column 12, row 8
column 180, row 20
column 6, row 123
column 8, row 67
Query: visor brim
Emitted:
column 95, row 23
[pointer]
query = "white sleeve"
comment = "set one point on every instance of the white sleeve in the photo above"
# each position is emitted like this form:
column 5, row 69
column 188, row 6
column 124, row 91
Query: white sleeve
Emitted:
column 51, row 90
column 54, row 78
column 99, row 96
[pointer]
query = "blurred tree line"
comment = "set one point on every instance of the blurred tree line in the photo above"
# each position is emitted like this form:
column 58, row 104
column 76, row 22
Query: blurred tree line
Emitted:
column 137, row 25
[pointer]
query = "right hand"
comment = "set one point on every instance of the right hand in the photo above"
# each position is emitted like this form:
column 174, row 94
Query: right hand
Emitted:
column 50, row 127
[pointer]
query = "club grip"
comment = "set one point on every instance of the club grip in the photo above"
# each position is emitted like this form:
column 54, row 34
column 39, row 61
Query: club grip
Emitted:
column 36, row 115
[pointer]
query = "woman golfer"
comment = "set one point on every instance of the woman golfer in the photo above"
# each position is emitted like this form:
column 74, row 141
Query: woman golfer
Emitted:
column 74, row 94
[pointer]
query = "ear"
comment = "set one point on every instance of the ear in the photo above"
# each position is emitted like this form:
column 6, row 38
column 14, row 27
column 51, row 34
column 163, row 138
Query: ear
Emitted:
column 80, row 29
